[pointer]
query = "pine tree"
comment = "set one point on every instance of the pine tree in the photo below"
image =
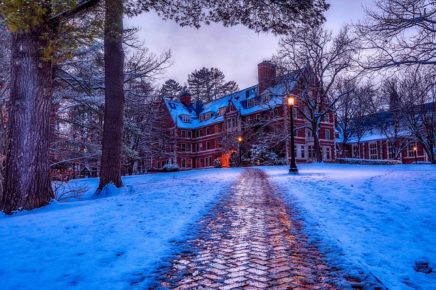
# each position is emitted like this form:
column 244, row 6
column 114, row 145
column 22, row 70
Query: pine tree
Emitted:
column 171, row 89
column 209, row 84
column 35, row 28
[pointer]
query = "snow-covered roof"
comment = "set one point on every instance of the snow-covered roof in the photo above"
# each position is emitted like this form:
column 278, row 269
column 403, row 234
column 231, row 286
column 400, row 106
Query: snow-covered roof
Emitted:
column 246, row 102
column 374, row 135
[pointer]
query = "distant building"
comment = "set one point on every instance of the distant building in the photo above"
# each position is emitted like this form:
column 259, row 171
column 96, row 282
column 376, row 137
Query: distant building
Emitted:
column 383, row 136
column 205, row 135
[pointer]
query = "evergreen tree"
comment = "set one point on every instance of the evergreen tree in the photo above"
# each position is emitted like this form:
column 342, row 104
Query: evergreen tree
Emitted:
column 171, row 89
column 209, row 84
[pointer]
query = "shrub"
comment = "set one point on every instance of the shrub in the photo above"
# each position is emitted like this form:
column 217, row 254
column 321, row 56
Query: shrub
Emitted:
column 170, row 167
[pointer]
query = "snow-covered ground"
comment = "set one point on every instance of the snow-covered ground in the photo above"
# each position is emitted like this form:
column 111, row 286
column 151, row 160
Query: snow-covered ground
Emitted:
column 382, row 218
column 106, row 243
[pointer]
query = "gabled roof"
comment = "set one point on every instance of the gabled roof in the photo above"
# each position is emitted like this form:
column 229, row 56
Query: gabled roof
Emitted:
column 271, row 98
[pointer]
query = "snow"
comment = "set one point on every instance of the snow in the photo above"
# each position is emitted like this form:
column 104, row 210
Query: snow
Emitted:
column 381, row 218
column 105, row 243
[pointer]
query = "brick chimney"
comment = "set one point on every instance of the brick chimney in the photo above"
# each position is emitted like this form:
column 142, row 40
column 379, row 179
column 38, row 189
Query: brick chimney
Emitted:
column 185, row 98
column 266, row 73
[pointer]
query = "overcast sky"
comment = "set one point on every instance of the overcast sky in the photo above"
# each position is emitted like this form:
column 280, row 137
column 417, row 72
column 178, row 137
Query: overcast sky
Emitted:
column 235, row 50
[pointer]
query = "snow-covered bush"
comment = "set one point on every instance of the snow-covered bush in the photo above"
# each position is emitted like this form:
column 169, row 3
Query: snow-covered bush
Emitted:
column 217, row 163
column 367, row 161
column 170, row 167
column 261, row 155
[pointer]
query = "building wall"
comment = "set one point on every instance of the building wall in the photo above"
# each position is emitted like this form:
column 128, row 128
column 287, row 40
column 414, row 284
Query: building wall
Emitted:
column 365, row 150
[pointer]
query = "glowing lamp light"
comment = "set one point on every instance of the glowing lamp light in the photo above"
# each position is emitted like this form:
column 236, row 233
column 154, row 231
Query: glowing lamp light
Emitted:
column 414, row 148
column 240, row 139
column 291, row 100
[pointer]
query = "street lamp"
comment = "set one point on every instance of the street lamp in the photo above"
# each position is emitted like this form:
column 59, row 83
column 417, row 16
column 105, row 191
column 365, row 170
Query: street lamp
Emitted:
column 239, row 149
column 415, row 149
column 292, row 166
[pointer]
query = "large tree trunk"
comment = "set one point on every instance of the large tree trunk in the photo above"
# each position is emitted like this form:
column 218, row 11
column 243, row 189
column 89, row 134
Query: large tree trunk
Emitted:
column 27, row 181
column 114, row 95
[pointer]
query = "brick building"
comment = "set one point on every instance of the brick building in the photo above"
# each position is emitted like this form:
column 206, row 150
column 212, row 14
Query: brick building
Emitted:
column 385, row 136
column 204, row 135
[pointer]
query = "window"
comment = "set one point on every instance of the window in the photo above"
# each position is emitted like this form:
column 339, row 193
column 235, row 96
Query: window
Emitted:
column 356, row 153
column 221, row 111
column 183, row 133
column 207, row 145
column 276, row 113
column 231, row 123
column 302, row 152
column 327, row 134
column 172, row 105
column 258, row 117
column 183, row 163
column 200, row 146
column 185, row 118
column 326, row 118
column 207, row 131
column 373, row 151
column 327, row 154
column 311, row 154
column 411, row 150
column 309, row 133
column 189, row 134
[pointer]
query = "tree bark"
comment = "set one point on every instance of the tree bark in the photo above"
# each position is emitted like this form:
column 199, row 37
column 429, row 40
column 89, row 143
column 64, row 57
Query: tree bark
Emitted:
column 114, row 95
column 27, row 179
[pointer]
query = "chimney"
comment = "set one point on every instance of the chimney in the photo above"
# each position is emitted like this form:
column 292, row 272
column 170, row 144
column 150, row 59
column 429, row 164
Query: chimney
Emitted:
column 185, row 98
column 266, row 73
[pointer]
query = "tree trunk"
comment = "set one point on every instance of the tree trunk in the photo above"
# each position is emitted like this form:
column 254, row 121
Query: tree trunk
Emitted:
column 114, row 95
column 316, row 143
column 27, row 179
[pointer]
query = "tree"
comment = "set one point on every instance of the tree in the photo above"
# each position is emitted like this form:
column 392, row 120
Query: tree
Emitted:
column 208, row 84
column 399, row 33
column 355, row 103
column 110, row 171
column 418, row 93
column 171, row 89
column 35, row 29
column 321, row 60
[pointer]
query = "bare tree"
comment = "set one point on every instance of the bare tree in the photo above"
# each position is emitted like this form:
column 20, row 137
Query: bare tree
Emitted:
column 399, row 33
column 321, row 59
column 355, row 103
column 418, row 90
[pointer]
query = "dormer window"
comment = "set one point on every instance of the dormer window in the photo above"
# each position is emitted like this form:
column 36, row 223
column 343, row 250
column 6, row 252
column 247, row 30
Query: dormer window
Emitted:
column 251, row 103
column 205, row 116
column 185, row 118
column 221, row 111
column 172, row 105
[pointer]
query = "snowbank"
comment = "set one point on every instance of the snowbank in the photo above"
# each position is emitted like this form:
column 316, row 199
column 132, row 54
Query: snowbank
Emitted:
column 380, row 217
column 110, row 242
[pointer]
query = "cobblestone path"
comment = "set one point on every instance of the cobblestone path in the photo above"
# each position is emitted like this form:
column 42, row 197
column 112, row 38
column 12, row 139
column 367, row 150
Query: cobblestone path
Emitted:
column 250, row 242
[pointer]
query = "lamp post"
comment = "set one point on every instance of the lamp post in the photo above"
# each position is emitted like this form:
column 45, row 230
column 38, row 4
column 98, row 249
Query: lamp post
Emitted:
column 239, row 149
column 292, row 166
column 415, row 149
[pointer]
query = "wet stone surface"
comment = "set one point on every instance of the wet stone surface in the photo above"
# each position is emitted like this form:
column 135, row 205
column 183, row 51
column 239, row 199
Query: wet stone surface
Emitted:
column 250, row 241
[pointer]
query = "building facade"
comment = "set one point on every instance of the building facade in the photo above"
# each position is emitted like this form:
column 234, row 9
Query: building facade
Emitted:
column 206, row 135
column 384, row 136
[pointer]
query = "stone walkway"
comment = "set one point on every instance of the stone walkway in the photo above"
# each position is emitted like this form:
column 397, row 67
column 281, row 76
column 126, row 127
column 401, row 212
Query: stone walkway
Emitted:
column 250, row 241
